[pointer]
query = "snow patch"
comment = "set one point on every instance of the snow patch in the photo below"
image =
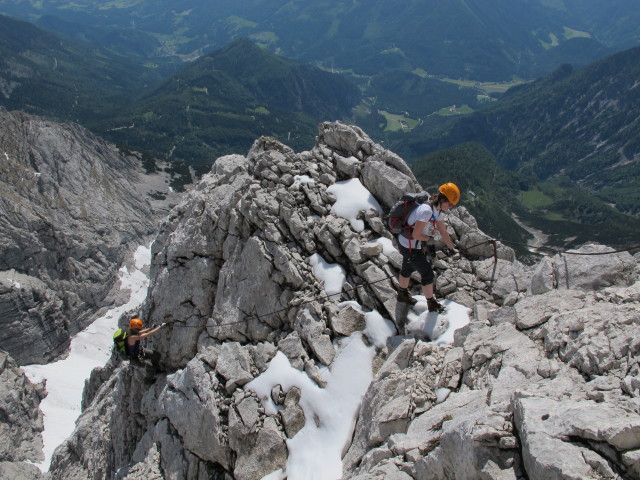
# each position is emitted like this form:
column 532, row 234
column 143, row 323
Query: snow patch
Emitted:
column 298, row 180
column 351, row 198
column 315, row 452
column 89, row 349
column 331, row 274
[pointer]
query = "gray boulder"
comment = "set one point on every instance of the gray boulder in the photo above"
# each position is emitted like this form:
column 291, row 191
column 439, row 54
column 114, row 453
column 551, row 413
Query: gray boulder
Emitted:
column 573, row 439
column 591, row 267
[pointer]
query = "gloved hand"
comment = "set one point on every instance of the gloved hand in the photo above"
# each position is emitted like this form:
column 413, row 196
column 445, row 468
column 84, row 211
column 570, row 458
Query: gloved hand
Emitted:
column 428, row 249
column 449, row 252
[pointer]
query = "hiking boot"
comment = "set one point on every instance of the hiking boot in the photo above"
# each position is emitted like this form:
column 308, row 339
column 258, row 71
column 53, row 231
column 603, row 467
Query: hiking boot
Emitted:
column 435, row 306
column 405, row 297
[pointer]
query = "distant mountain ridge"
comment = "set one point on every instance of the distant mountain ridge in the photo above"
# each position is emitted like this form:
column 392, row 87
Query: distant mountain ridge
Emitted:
column 224, row 100
column 579, row 123
column 215, row 105
column 444, row 54
column 562, row 144
column 471, row 39
column 45, row 75
column 572, row 142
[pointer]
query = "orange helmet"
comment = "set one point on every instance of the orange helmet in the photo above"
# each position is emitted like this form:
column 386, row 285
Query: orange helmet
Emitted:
column 451, row 191
column 135, row 324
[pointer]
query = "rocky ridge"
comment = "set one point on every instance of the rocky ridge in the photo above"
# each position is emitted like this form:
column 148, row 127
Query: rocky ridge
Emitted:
column 70, row 209
column 20, row 422
column 543, row 383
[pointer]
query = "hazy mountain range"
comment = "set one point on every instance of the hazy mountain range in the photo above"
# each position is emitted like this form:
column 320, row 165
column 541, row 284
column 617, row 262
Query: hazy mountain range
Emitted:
column 223, row 101
column 412, row 74
column 217, row 104
column 395, row 50
column 531, row 107
column 569, row 147
column 44, row 74
column 472, row 39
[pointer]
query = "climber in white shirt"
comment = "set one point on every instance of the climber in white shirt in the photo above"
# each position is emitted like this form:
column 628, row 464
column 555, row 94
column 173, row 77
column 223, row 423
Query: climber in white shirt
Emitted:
column 425, row 220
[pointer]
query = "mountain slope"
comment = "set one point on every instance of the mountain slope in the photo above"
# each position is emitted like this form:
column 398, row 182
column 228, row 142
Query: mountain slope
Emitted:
column 502, row 200
column 70, row 208
column 579, row 123
column 471, row 38
column 574, row 136
column 265, row 374
column 221, row 102
column 489, row 191
column 446, row 46
column 40, row 73
column 612, row 23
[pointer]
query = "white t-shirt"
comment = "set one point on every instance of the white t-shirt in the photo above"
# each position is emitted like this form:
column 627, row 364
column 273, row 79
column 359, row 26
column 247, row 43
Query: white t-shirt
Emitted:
column 424, row 213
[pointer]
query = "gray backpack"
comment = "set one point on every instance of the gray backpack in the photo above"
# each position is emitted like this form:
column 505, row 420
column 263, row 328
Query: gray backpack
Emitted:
column 397, row 219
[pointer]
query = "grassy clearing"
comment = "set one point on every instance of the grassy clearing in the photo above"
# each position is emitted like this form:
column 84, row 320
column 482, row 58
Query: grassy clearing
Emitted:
column 535, row 199
column 554, row 217
column 395, row 50
column 570, row 33
column 454, row 110
column 264, row 38
column 485, row 87
column 553, row 42
column 397, row 123
column 363, row 109
column 238, row 23
column 343, row 71
column 104, row 6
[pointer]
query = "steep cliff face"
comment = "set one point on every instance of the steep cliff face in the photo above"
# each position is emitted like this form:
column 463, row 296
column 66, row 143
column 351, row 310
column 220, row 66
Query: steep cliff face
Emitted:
column 69, row 210
column 20, row 422
column 546, row 370
column 71, row 207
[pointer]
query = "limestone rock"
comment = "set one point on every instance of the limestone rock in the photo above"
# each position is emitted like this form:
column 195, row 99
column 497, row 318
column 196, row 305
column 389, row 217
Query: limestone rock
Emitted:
column 591, row 267
column 348, row 320
column 21, row 420
column 234, row 364
column 533, row 311
column 292, row 415
column 19, row 471
column 70, row 207
column 574, row 439
column 191, row 407
column 232, row 275
column 269, row 454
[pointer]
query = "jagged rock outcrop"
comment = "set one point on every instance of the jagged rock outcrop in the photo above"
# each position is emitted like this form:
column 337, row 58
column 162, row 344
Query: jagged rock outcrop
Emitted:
column 547, row 388
column 20, row 422
column 531, row 380
column 70, row 208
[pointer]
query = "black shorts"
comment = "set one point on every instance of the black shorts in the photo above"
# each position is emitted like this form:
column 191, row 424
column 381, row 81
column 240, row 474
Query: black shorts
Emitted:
column 415, row 260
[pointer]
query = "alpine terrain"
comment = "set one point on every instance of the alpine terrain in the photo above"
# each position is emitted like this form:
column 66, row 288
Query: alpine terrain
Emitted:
column 214, row 179
column 275, row 277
